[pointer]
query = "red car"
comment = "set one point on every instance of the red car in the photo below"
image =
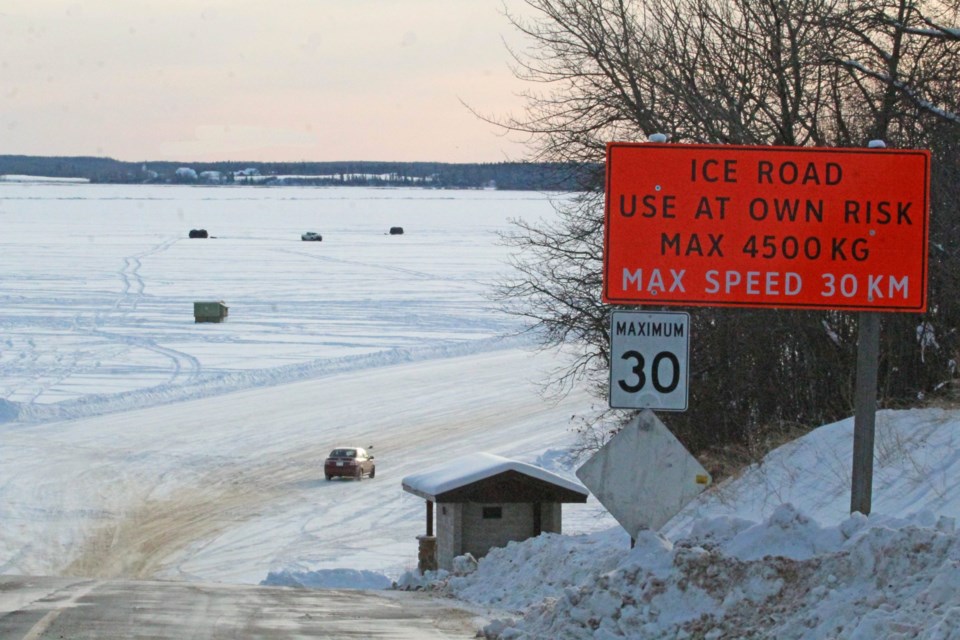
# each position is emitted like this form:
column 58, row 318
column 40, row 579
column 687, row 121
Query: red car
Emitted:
column 349, row 462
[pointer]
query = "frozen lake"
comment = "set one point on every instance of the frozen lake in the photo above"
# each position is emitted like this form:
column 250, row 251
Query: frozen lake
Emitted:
column 98, row 285
column 137, row 443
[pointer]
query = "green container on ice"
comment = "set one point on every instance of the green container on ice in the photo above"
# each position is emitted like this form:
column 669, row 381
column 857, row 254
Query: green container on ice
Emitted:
column 209, row 311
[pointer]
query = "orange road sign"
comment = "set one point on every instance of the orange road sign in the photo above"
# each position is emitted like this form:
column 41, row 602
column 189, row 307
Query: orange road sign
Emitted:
column 785, row 227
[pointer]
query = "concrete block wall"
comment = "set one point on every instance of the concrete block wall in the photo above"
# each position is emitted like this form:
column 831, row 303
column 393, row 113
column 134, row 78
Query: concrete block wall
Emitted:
column 550, row 514
column 449, row 529
column 480, row 535
column 461, row 527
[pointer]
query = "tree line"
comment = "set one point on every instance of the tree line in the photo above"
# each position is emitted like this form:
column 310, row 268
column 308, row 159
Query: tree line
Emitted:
column 540, row 176
column 826, row 73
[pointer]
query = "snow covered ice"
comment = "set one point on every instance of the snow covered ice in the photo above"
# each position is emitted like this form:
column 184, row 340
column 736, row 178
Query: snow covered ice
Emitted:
column 136, row 443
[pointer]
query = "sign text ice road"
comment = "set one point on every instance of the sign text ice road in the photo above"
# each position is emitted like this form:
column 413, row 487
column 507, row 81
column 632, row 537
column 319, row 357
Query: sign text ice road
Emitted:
column 766, row 227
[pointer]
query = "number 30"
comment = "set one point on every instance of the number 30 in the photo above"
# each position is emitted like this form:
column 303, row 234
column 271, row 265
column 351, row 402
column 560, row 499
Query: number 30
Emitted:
column 655, row 372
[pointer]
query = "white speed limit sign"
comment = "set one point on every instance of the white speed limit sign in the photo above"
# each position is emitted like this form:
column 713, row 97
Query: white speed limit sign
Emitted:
column 649, row 356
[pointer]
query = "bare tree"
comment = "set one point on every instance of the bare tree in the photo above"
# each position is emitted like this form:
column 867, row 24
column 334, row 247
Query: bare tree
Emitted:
column 777, row 72
column 902, row 60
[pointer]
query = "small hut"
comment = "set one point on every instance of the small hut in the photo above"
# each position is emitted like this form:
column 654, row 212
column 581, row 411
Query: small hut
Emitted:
column 210, row 311
column 484, row 501
column 396, row 231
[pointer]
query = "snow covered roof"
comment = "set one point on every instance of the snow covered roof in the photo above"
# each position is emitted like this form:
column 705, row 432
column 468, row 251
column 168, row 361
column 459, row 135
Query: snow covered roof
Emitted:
column 474, row 467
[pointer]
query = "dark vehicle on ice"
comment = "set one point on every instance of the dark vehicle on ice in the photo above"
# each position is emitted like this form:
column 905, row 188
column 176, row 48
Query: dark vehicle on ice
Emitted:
column 349, row 462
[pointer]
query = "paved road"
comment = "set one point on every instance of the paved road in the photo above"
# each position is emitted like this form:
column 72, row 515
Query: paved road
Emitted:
column 35, row 608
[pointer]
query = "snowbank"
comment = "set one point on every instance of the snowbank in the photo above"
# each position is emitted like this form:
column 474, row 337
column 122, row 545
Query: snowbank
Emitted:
column 786, row 577
column 328, row 579
column 772, row 553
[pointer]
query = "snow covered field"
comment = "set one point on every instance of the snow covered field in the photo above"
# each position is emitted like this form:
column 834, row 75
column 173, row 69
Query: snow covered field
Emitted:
column 136, row 443
column 99, row 283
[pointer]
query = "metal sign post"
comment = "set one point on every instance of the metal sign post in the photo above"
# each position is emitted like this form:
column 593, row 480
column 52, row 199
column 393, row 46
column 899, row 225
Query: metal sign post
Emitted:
column 865, row 412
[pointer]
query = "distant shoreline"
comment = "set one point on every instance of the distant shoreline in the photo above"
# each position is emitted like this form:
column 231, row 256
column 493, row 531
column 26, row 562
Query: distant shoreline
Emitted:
column 506, row 176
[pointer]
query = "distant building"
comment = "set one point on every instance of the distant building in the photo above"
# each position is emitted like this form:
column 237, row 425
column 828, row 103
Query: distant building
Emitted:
column 211, row 176
column 185, row 174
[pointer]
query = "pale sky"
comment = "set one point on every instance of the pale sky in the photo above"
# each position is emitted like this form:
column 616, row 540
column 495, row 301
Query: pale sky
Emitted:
column 287, row 80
